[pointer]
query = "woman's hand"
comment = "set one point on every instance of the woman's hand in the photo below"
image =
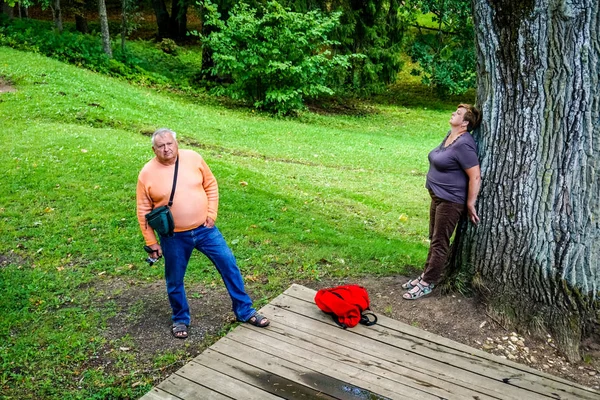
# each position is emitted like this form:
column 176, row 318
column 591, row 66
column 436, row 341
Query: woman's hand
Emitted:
column 474, row 174
column 473, row 217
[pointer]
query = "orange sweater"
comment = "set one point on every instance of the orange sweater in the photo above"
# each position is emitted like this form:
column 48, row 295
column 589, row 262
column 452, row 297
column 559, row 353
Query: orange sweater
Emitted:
column 196, row 194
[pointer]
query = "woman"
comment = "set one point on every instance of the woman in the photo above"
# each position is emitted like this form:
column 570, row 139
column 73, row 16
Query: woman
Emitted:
column 453, row 183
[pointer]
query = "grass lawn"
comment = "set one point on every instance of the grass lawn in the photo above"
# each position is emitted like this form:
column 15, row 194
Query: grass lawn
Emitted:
column 301, row 198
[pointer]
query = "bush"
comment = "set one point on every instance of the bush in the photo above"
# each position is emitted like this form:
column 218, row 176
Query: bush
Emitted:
column 143, row 62
column 272, row 57
column 445, row 50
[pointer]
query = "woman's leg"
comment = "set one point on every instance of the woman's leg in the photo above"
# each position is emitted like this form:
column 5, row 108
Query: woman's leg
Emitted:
column 445, row 218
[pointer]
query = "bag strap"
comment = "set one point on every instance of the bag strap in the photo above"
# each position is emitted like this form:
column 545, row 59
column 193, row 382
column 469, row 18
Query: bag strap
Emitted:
column 365, row 320
column 174, row 181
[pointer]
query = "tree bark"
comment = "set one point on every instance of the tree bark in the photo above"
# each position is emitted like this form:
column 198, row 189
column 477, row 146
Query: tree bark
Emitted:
column 535, row 255
column 104, row 28
column 81, row 24
column 178, row 21
column 57, row 15
column 7, row 9
column 23, row 11
column 162, row 18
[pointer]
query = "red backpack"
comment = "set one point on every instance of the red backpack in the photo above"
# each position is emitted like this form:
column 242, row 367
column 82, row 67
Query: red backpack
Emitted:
column 346, row 305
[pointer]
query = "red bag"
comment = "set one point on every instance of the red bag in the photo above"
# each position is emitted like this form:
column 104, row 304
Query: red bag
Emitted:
column 346, row 305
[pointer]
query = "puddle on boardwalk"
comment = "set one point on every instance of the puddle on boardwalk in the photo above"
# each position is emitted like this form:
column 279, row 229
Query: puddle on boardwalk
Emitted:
column 313, row 386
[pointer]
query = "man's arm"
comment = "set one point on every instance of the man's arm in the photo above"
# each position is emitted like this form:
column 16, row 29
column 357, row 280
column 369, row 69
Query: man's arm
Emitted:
column 209, row 182
column 144, row 206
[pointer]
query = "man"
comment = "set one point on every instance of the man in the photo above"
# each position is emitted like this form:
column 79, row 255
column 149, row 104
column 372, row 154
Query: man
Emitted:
column 194, row 210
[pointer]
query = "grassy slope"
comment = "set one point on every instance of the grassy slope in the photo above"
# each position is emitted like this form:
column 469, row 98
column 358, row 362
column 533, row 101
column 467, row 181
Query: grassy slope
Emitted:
column 335, row 195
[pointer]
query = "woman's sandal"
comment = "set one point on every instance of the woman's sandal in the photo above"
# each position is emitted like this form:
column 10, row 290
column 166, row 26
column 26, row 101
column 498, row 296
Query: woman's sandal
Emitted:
column 258, row 320
column 179, row 330
column 423, row 291
column 409, row 285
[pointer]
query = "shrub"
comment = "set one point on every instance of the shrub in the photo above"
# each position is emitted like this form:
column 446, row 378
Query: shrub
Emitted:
column 272, row 57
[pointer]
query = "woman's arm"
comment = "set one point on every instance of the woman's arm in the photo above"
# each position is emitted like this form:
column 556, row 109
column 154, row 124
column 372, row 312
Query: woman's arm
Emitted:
column 474, row 174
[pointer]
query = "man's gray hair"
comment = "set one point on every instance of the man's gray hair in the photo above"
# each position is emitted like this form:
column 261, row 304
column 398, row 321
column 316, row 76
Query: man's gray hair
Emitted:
column 162, row 131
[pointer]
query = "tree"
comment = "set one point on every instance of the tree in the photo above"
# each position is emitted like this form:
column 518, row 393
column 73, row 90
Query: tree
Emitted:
column 445, row 52
column 104, row 27
column 535, row 255
column 57, row 15
column 271, row 56
column 175, row 25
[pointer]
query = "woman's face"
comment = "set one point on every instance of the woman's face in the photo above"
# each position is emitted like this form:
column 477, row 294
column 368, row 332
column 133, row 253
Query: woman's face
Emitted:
column 457, row 118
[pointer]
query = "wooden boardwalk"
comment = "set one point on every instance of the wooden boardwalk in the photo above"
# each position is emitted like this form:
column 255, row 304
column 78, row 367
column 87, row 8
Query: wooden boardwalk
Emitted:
column 304, row 355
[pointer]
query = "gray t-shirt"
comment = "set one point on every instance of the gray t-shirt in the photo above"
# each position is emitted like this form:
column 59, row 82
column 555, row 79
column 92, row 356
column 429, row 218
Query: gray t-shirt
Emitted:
column 447, row 178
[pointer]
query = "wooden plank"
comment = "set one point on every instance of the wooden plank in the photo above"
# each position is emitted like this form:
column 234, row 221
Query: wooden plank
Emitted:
column 215, row 381
column 306, row 364
column 273, row 381
column 381, row 359
column 182, row 387
column 336, row 357
column 307, row 294
column 158, row 394
column 440, row 384
column 486, row 364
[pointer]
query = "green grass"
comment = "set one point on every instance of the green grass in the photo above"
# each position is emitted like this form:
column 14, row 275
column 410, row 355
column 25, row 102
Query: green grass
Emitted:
column 301, row 199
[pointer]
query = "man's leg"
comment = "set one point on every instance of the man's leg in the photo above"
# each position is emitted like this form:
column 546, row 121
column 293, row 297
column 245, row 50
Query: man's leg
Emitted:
column 176, row 252
column 210, row 242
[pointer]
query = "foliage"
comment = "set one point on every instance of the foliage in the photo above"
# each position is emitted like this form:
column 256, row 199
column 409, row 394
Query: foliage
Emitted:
column 445, row 48
column 271, row 56
column 374, row 29
column 142, row 62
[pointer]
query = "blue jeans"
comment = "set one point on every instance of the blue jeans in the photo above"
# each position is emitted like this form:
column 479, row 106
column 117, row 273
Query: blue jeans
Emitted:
column 177, row 250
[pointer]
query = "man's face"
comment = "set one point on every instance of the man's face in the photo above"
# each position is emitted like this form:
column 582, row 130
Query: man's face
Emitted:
column 166, row 148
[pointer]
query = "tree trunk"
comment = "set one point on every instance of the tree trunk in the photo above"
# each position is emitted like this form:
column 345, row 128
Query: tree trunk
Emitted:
column 162, row 18
column 57, row 15
column 535, row 255
column 7, row 9
column 104, row 28
column 178, row 22
column 124, row 9
column 81, row 22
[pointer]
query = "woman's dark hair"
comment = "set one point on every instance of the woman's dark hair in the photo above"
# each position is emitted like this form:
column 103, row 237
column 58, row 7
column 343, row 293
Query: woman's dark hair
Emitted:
column 472, row 116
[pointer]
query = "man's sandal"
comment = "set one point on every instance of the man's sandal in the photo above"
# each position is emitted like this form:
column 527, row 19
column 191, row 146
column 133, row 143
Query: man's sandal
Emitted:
column 258, row 320
column 179, row 330
column 423, row 291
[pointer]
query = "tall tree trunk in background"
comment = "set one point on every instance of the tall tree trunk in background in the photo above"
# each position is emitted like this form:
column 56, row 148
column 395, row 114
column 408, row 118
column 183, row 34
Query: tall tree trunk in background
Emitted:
column 178, row 21
column 23, row 11
column 162, row 18
column 81, row 22
column 6, row 9
column 57, row 15
column 124, row 11
column 104, row 28
column 535, row 255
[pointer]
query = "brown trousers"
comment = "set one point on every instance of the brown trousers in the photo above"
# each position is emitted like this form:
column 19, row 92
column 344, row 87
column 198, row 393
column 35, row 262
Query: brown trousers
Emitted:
column 443, row 218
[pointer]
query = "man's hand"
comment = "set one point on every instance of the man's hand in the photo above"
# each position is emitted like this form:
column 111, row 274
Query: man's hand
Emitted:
column 209, row 223
column 156, row 250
